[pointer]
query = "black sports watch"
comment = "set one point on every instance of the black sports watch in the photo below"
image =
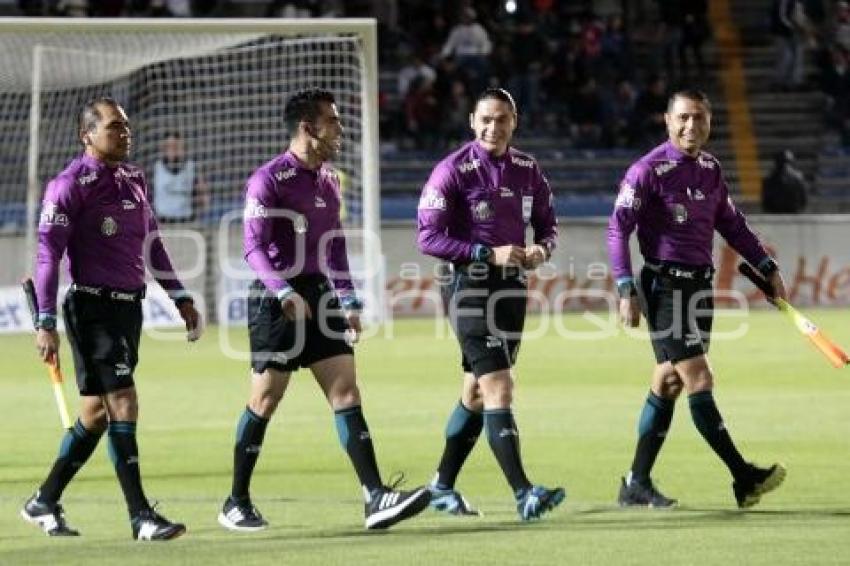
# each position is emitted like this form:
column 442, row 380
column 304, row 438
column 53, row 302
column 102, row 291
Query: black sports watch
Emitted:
column 626, row 289
column 46, row 322
column 483, row 253
column 768, row 267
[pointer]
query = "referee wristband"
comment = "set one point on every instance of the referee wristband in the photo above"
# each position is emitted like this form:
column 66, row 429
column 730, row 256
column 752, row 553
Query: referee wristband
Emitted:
column 46, row 321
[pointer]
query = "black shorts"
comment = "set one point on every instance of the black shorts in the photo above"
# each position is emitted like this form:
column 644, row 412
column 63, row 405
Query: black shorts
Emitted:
column 678, row 310
column 104, row 338
column 487, row 313
column 286, row 345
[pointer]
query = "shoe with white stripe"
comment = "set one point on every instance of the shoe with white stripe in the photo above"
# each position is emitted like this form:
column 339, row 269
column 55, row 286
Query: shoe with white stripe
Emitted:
column 385, row 506
column 150, row 525
column 241, row 516
column 49, row 516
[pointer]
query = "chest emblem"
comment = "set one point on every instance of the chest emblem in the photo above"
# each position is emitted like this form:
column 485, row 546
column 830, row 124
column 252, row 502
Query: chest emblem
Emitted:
column 320, row 202
column 109, row 227
column 483, row 211
column 505, row 192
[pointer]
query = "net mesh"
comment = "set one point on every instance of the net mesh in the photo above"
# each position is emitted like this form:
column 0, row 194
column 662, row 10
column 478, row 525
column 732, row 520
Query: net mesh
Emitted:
column 222, row 94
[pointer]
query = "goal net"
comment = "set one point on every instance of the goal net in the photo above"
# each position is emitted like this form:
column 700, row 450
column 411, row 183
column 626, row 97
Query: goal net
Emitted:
column 205, row 99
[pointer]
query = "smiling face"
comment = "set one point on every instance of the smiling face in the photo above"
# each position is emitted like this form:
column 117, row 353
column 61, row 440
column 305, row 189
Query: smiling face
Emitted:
column 688, row 124
column 493, row 122
column 108, row 137
column 325, row 132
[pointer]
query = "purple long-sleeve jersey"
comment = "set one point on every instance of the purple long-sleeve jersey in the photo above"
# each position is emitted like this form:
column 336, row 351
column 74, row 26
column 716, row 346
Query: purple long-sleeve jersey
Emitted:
column 677, row 202
column 102, row 217
column 292, row 224
column 473, row 198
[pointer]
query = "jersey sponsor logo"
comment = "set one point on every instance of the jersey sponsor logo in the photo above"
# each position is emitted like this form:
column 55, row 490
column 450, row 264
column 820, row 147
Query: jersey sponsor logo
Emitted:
column 482, row 211
column 469, row 166
column 50, row 216
column 627, row 198
column 505, row 192
column 493, row 342
column 127, row 204
column 705, row 161
column 285, row 174
column 109, row 227
column 128, row 173
column 680, row 213
column 665, row 167
column 431, row 199
column 520, row 162
column 254, row 209
column 320, row 202
column 122, row 369
column 88, row 178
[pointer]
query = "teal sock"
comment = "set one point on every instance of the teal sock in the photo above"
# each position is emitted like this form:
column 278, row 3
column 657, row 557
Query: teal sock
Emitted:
column 250, row 433
column 124, row 453
column 655, row 419
column 75, row 449
column 462, row 432
column 710, row 425
column 503, row 437
column 355, row 439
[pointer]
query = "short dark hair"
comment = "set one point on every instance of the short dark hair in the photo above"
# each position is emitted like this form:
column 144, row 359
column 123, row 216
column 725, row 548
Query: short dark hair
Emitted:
column 691, row 94
column 89, row 114
column 497, row 94
column 304, row 106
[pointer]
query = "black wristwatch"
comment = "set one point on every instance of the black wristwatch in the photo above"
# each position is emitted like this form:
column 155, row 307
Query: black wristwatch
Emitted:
column 768, row 267
column 183, row 300
column 626, row 289
column 483, row 253
column 46, row 322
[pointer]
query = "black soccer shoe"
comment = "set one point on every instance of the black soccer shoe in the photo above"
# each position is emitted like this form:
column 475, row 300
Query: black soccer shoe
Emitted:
column 50, row 517
column 387, row 506
column 748, row 491
column 241, row 516
column 643, row 494
column 150, row 525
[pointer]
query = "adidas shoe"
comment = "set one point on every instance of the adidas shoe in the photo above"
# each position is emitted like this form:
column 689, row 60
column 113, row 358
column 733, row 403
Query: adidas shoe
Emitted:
column 748, row 492
column 643, row 494
column 241, row 516
column 49, row 516
column 535, row 501
column 386, row 506
column 150, row 525
column 451, row 502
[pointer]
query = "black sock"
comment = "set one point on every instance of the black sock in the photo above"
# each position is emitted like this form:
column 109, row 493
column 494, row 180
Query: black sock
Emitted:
column 249, row 439
column 710, row 425
column 654, row 422
column 503, row 436
column 124, row 453
column 462, row 432
column 74, row 450
column 355, row 439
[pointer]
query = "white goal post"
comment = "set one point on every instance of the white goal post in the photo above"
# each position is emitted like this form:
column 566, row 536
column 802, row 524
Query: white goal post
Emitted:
column 220, row 84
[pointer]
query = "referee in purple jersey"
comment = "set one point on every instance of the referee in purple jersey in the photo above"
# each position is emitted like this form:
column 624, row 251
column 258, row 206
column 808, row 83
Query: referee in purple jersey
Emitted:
column 473, row 214
column 676, row 197
column 97, row 211
column 300, row 308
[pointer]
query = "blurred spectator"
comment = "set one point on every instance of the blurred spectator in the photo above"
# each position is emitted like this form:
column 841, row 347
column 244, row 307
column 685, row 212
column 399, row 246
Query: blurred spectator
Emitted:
column 650, row 108
column 587, row 111
column 530, row 53
column 422, row 114
column 784, row 190
column 622, row 115
column 180, row 193
column 835, row 83
column 841, row 26
column 456, row 113
column 470, row 45
column 616, row 50
column 788, row 25
column 669, row 36
column 413, row 68
column 695, row 30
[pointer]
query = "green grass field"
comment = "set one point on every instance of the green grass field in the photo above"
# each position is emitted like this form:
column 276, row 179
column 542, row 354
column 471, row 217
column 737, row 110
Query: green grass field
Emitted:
column 577, row 404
